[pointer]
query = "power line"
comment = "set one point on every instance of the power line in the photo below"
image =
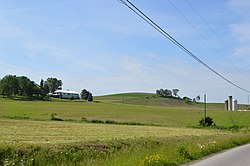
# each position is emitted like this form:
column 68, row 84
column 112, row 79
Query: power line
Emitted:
column 205, row 22
column 203, row 36
column 210, row 28
column 137, row 11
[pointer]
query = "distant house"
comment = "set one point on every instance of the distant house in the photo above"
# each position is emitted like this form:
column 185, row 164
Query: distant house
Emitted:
column 66, row 94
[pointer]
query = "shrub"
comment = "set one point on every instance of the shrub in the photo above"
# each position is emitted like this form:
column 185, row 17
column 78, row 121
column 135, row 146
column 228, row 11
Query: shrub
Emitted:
column 96, row 121
column 111, row 122
column 209, row 122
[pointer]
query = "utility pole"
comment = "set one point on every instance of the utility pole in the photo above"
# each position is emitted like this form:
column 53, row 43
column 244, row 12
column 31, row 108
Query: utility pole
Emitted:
column 247, row 101
column 205, row 109
column 123, row 99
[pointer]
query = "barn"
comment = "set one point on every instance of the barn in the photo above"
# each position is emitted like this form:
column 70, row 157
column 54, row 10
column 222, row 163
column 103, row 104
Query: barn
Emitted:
column 66, row 94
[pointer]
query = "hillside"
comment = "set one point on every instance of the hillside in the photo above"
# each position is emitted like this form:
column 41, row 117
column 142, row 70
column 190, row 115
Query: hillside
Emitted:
column 150, row 99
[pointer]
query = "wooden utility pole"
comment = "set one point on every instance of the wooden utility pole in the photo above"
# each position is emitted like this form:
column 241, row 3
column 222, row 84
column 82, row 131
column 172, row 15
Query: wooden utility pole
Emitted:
column 205, row 109
column 247, row 101
column 123, row 99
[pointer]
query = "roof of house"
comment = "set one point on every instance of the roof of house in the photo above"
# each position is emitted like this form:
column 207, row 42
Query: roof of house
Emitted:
column 66, row 91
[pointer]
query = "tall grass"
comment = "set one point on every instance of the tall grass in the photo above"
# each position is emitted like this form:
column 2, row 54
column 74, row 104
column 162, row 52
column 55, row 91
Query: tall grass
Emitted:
column 120, row 152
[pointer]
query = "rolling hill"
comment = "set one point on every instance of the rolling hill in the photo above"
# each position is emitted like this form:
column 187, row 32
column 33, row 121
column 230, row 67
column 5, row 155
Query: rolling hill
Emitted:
column 151, row 99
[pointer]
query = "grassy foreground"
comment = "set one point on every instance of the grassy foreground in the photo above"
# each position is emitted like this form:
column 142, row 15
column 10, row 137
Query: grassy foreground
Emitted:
column 29, row 137
column 25, row 142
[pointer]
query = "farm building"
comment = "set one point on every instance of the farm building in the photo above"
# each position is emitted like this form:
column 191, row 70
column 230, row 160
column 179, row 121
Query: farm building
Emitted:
column 231, row 104
column 65, row 94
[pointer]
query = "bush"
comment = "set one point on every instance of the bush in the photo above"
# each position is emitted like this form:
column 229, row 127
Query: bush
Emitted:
column 209, row 122
column 111, row 122
column 96, row 121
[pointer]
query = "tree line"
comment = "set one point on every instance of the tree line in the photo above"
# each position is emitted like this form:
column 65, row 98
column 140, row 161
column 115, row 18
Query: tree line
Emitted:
column 167, row 93
column 12, row 85
column 21, row 85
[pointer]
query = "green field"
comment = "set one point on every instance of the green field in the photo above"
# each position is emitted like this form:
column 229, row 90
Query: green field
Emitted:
column 165, row 130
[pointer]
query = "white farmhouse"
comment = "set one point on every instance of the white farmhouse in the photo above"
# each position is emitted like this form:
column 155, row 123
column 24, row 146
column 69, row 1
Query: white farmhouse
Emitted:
column 66, row 94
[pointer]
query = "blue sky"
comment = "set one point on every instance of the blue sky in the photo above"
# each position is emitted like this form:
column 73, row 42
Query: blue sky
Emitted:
column 104, row 47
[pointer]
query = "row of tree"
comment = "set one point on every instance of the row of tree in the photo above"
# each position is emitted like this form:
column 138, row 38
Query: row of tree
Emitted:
column 174, row 94
column 168, row 93
column 20, row 85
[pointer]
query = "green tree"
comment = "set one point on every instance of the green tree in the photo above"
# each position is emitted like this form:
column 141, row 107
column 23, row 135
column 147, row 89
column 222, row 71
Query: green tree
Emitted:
column 90, row 97
column 84, row 94
column 36, row 90
column 53, row 84
column 175, row 92
column 32, row 88
column 25, row 86
column 9, row 85
column 168, row 93
column 198, row 98
column 164, row 93
column 160, row 92
column 44, row 88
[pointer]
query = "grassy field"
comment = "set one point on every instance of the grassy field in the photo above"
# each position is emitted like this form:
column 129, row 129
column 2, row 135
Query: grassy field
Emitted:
column 41, row 132
column 28, row 136
column 166, row 116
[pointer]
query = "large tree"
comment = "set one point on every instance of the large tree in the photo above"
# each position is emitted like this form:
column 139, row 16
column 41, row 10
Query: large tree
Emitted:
column 90, row 97
column 9, row 85
column 160, row 92
column 44, row 89
column 168, row 93
column 26, row 86
column 53, row 84
column 198, row 98
column 164, row 93
column 85, row 94
column 175, row 92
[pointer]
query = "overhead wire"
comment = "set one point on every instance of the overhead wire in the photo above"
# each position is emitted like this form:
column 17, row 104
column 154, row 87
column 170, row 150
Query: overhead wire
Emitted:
column 212, row 30
column 143, row 16
column 203, row 36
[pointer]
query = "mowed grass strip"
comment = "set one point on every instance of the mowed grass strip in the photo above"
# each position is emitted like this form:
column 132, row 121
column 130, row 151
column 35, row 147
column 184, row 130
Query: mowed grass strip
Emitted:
column 41, row 132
